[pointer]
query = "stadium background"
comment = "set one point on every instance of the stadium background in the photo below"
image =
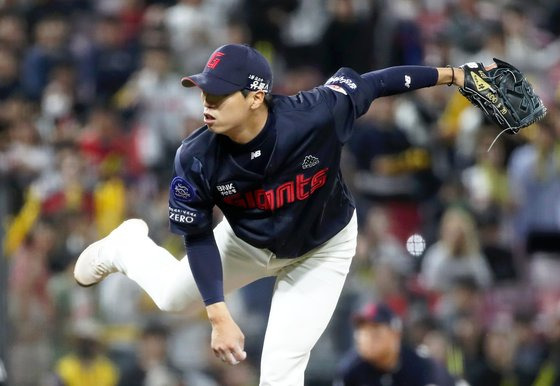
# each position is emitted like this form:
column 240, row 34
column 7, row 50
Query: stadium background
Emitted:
column 92, row 111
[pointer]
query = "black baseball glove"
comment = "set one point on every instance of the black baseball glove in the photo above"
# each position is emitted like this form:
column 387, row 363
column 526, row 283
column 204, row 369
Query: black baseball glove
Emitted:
column 504, row 95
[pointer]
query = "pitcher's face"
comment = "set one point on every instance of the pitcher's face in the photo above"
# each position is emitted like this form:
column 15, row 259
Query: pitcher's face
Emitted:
column 226, row 114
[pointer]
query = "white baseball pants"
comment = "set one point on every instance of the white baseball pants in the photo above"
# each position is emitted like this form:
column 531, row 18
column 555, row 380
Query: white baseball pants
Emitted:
column 305, row 295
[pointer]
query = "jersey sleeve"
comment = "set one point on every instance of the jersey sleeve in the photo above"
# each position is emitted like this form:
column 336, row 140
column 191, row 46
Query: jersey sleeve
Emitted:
column 400, row 79
column 206, row 266
column 348, row 82
column 348, row 97
column 190, row 200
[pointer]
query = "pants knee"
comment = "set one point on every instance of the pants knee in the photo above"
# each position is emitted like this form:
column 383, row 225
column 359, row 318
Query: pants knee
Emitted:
column 283, row 370
column 178, row 299
column 170, row 304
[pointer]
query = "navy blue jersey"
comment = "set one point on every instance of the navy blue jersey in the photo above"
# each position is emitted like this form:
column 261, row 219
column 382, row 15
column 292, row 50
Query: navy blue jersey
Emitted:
column 301, row 200
column 415, row 368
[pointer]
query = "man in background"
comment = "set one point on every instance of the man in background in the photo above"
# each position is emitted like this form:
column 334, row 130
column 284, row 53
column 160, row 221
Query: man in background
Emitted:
column 381, row 358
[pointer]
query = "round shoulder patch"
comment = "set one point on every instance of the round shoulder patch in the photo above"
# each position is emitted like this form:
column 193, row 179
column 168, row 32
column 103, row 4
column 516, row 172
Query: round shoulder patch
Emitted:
column 182, row 190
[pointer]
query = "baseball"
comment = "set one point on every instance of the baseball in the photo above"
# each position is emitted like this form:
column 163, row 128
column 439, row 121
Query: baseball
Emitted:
column 415, row 244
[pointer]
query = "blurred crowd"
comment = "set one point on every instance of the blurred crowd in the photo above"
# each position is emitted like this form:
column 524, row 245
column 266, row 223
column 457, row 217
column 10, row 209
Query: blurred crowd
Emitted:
column 92, row 111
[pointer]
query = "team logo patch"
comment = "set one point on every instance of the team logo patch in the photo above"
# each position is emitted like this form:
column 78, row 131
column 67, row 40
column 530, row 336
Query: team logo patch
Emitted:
column 309, row 161
column 214, row 59
column 182, row 190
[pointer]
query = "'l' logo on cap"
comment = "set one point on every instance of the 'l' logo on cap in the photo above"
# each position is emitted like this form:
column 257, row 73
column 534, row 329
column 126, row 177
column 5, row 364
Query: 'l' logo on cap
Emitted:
column 214, row 59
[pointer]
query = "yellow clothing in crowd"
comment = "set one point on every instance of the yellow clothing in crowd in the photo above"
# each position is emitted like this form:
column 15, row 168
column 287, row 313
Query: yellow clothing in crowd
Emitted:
column 99, row 372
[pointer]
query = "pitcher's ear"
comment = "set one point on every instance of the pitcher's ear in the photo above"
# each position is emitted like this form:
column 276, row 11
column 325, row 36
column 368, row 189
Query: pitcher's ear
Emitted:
column 258, row 99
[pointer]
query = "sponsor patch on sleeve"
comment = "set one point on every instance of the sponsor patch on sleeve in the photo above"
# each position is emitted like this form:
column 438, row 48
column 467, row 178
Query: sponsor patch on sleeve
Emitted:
column 336, row 88
column 341, row 80
column 182, row 216
column 182, row 190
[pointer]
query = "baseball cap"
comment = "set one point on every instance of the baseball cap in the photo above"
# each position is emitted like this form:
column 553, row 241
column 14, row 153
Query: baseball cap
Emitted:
column 377, row 313
column 230, row 68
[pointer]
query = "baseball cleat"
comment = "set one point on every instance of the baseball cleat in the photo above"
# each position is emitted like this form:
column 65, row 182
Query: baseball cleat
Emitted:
column 93, row 265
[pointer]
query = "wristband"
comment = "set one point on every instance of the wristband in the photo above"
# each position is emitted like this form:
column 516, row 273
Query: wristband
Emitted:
column 452, row 75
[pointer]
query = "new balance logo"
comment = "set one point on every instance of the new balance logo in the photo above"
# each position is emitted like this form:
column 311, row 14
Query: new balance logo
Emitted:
column 255, row 154
column 309, row 162
column 407, row 80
